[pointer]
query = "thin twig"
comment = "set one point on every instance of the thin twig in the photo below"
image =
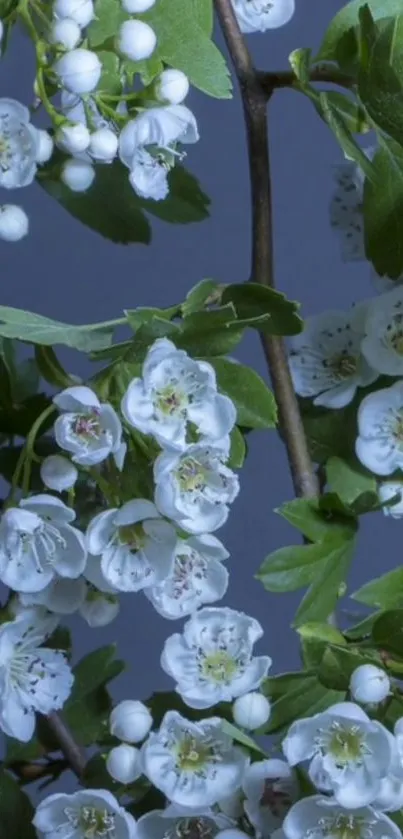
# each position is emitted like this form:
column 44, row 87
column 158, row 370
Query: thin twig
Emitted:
column 286, row 78
column 69, row 748
column 254, row 100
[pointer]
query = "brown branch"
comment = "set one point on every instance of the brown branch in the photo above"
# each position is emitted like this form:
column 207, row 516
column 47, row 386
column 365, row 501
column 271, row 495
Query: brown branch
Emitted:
column 286, row 78
column 69, row 748
column 254, row 100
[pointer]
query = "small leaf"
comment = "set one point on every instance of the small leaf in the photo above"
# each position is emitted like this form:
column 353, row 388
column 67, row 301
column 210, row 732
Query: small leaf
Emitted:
column 383, row 210
column 341, row 130
column 16, row 810
column 300, row 61
column 201, row 295
column 95, row 670
column 387, row 631
column 350, row 112
column 241, row 737
column 323, row 594
column 252, row 398
column 237, row 450
column 348, row 479
column 384, row 592
column 110, row 81
column 252, row 300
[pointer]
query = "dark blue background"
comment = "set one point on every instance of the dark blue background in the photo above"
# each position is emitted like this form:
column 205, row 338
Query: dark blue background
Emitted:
column 67, row 272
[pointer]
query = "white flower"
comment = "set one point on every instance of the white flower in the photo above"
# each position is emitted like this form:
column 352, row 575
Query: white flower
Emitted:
column 65, row 32
column 79, row 70
column 38, row 542
column 61, row 595
column 134, row 7
column 99, row 609
column 194, row 488
column 349, row 753
column 136, row 40
column 251, row 711
column 198, row 577
column 177, row 393
column 326, row 360
column 44, row 149
column 346, row 215
column 123, row 764
column 87, row 428
column 103, row 145
column 135, row 544
column 379, row 445
column 14, row 223
column 382, row 284
column 388, row 490
column 232, row 833
column 81, row 11
column 317, row 816
column 149, row 175
column 87, row 814
column 19, row 145
column 58, row 473
column 78, row 175
column 172, row 86
column 383, row 343
column 270, row 787
column 73, row 139
column 369, row 684
column 130, row 721
column 194, row 764
column 188, row 823
column 161, row 127
column 32, row 678
column 212, row 661
column 260, row 15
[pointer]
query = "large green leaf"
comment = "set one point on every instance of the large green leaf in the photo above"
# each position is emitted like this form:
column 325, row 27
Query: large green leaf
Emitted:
column 384, row 592
column 347, row 18
column 291, row 568
column 348, row 479
column 253, row 300
column 252, row 398
column 16, row 810
column 383, row 210
column 27, row 326
column 380, row 81
column 387, row 632
column 313, row 522
column 321, row 598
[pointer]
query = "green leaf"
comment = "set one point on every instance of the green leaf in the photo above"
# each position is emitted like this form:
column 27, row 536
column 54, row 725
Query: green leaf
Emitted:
column 186, row 202
column 241, row 737
column 338, row 664
column 27, row 326
column 51, row 369
column 252, row 398
column 316, row 525
column 330, row 432
column 210, row 333
column 109, row 14
column 363, row 629
column 384, row 592
column 145, row 314
column 350, row 112
column 294, row 696
column 291, row 568
column 336, row 122
column 201, row 295
column 348, row 18
column 237, row 450
column 380, row 84
column 321, row 632
column 19, row 419
column 387, row 632
column 110, row 81
column 300, row 61
column 321, row 598
column 95, row 669
column 348, row 479
column 96, row 775
column 88, row 717
column 253, row 300
column 383, row 211
column 203, row 13
column 16, row 810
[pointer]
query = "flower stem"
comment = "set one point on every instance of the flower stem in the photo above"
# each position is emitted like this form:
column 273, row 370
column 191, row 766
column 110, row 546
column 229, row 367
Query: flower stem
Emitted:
column 254, row 99
column 29, row 446
column 69, row 748
column 286, row 78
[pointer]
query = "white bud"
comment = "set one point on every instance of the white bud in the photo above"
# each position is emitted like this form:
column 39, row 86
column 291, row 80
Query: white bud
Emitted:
column 251, row 710
column 130, row 721
column 103, row 144
column 172, row 87
column 77, row 175
column 136, row 40
column 44, row 146
column 137, row 6
column 14, row 223
column 81, row 11
column 369, row 684
column 123, row 764
column 65, row 32
column 99, row 609
column 231, row 833
column 73, row 139
column 232, row 805
column 79, row 70
column 58, row 473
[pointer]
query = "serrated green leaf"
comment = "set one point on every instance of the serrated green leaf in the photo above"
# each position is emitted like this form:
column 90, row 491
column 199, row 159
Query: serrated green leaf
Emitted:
column 383, row 211
column 380, row 84
column 201, row 295
column 307, row 516
column 203, row 13
column 291, row 568
column 16, row 810
column 28, row 326
column 330, row 433
column 321, row 632
column 321, row 598
column 254, row 402
column 351, row 112
column 387, row 632
column 109, row 15
column 345, row 21
column 348, row 479
column 18, row 420
column 110, row 81
column 384, row 592
column 253, row 300
column 186, row 202
column 336, row 122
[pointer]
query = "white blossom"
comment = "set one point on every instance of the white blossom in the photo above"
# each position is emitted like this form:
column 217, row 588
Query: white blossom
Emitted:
column 45, row 145
column 270, row 787
column 161, row 127
column 79, row 70
column 19, row 146
column 232, row 833
column 130, row 721
column 81, row 11
column 390, row 795
column 14, row 222
column 326, row 360
column 349, row 753
column 172, row 86
column 380, row 430
column 212, row 661
column 149, row 175
column 135, row 544
column 195, row 487
column 383, row 343
column 136, row 40
column 346, row 215
column 251, row 711
column 188, row 823
column 38, row 542
column 61, row 595
column 193, row 764
column 32, row 678
column 87, row 814
column 77, row 174
column 383, row 284
column 88, row 429
column 123, row 764
column 99, row 609
column 177, row 393
column 58, row 473
column 103, row 145
column 323, row 818
column 134, row 7
column 65, row 32
column 369, row 684
column 73, row 139
column 261, row 15
column 198, row 577
column 388, row 490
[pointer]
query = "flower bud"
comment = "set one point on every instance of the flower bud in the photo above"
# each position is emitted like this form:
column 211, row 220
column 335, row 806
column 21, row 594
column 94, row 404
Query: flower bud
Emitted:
column 136, row 40
column 103, row 145
column 73, row 139
column 172, row 87
column 130, row 721
column 79, row 70
column 58, row 473
column 65, row 32
column 251, row 710
column 14, row 223
column 77, row 175
column 99, row 609
column 44, row 149
column 81, row 11
column 134, row 7
column 123, row 764
column 369, row 684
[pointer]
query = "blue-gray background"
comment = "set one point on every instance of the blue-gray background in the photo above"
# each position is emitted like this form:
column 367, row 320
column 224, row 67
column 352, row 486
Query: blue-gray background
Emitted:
column 65, row 271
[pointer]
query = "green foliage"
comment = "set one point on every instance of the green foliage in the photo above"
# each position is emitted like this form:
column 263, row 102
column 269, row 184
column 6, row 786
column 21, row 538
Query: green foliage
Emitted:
column 383, row 210
column 87, row 710
column 349, row 479
column 238, row 449
column 344, row 116
column 253, row 300
column 339, row 662
column 36, row 329
column 384, row 592
column 380, row 83
column 16, row 810
column 387, row 632
column 296, row 695
column 200, row 295
column 339, row 43
column 252, row 398
column 340, row 127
